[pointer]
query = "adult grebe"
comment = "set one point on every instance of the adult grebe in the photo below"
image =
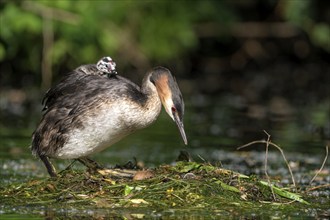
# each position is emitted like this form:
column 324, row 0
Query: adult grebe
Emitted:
column 86, row 113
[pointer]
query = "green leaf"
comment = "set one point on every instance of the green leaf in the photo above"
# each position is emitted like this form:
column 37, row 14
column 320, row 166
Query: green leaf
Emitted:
column 128, row 190
column 184, row 167
column 286, row 194
column 227, row 187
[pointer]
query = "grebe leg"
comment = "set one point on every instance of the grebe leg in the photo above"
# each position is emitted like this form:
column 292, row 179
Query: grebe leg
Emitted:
column 50, row 168
column 89, row 163
column 68, row 167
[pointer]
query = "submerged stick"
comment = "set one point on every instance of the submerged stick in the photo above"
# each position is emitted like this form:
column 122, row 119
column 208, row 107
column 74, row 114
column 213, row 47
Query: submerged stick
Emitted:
column 322, row 166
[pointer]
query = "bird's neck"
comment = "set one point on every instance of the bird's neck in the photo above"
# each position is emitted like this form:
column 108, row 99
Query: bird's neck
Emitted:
column 152, row 107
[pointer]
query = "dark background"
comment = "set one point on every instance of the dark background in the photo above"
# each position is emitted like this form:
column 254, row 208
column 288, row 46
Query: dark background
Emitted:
column 267, row 60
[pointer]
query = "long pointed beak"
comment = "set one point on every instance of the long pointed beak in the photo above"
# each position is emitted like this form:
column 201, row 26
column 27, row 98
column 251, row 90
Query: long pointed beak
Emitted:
column 179, row 123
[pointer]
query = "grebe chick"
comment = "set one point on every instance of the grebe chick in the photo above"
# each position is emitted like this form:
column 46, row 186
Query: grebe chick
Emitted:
column 107, row 66
column 85, row 114
column 104, row 67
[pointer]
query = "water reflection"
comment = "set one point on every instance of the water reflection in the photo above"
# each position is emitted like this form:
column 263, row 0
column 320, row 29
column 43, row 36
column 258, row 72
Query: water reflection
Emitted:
column 228, row 121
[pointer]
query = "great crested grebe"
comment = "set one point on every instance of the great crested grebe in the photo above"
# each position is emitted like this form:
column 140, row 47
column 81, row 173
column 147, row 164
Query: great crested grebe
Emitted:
column 86, row 112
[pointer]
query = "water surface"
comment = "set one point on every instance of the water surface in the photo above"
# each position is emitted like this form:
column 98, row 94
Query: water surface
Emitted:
column 215, row 127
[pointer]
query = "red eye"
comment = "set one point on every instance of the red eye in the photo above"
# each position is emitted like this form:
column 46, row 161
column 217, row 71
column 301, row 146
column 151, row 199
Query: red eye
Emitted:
column 173, row 109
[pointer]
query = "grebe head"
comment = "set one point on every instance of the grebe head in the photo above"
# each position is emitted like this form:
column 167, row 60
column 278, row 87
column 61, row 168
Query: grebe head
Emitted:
column 170, row 96
column 107, row 65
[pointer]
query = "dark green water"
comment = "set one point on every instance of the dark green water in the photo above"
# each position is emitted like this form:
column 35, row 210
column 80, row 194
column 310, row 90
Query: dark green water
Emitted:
column 215, row 128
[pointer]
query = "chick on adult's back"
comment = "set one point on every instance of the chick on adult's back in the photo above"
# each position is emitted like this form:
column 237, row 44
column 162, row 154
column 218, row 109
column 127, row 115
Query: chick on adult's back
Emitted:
column 86, row 113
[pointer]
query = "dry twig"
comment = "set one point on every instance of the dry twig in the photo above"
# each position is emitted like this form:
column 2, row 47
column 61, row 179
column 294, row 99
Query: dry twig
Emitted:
column 266, row 161
column 325, row 159
column 269, row 143
column 318, row 187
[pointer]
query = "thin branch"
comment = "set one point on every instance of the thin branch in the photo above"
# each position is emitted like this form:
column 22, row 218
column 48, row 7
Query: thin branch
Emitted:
column 318, row 187
column 52, row 13
column 249, row 29
column 266, row 162
column 48, row 41
column 282, row 153
column 325, row 159
column 182, row 200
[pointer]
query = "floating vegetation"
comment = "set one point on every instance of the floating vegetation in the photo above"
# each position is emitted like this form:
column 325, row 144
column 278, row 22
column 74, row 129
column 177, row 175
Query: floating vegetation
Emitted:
column 184, row 185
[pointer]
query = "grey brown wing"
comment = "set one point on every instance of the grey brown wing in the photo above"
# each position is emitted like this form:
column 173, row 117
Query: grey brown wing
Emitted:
column 64, row 104
column 71, row 84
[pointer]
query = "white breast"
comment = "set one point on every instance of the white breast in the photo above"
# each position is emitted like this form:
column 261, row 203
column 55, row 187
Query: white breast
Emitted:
column 106, row 125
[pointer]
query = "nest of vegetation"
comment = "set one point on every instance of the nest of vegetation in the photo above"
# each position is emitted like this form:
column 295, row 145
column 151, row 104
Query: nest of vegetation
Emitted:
column 184, row 185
